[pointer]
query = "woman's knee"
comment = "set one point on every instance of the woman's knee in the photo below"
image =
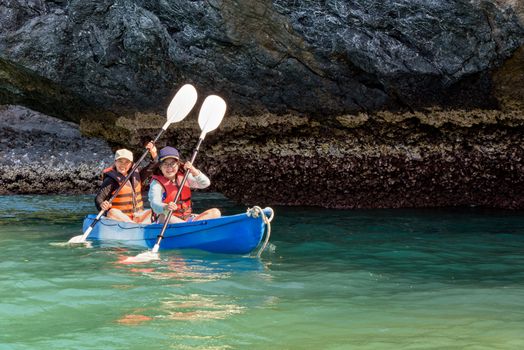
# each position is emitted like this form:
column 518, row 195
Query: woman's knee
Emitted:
column 214, row 213
column 118, row 215
column 218, row 213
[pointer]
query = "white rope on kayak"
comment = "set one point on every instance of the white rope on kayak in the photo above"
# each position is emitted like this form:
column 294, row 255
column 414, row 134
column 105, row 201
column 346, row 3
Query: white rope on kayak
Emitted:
column 255, row 212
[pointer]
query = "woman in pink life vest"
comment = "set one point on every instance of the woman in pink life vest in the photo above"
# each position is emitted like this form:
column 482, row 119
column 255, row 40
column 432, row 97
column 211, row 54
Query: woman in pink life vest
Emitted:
column 164, row 187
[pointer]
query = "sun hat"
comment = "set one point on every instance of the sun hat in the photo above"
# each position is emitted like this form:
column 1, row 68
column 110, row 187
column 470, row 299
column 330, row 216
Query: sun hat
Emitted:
column 168, row 152
column 124, row 153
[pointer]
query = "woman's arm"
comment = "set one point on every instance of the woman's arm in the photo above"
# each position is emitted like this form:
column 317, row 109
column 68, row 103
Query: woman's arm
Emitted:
column 156, row 190
column 199, row 182
column 196, row 178
column 104, row 192
column 148, row 171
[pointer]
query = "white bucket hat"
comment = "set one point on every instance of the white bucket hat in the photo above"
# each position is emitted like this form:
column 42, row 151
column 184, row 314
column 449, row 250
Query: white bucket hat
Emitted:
column 124, row 153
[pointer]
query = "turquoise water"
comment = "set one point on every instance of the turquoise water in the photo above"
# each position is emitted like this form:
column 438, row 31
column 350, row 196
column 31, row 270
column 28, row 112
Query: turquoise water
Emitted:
column 363, row 279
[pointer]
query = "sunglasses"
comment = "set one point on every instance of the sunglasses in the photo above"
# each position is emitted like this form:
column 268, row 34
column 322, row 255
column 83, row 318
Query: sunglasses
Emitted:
column 169, row 164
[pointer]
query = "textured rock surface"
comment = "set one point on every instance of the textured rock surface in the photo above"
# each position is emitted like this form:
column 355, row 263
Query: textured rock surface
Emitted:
column 312, row 57
column 42, row 154
column 387, row 160
column 419, row 159
column 336, row 103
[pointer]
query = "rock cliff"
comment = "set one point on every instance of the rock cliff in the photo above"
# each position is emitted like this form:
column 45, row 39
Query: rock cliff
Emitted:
column 335, row 103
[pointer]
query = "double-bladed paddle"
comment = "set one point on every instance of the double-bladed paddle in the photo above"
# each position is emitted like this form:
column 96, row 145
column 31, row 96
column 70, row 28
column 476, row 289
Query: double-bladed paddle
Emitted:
column 178, row 109
column 210, row 116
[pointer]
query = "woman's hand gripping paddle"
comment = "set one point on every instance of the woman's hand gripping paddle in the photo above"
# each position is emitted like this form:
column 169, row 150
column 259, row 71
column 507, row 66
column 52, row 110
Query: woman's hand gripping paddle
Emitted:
column 210, row 116
column 178, row 109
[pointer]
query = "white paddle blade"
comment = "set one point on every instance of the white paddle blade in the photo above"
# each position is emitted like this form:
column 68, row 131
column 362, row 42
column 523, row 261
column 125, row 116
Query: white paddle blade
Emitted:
column 211, row 113
column 181, row 104
column 71, row 243
column 77, row 240
column 82, row 239
column 143, row 257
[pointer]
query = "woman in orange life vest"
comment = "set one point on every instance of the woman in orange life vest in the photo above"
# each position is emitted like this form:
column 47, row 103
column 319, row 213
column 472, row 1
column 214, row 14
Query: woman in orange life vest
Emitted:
column 164, row 188
column 128, row 204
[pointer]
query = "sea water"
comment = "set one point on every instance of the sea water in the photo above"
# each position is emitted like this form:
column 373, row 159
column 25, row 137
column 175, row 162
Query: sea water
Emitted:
column 330, row 279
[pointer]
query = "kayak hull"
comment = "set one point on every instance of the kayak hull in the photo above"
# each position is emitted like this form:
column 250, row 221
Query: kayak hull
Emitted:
column 234, row 234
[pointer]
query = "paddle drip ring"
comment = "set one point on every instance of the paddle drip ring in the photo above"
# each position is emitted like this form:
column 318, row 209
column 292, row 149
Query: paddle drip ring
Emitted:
column 255, row 212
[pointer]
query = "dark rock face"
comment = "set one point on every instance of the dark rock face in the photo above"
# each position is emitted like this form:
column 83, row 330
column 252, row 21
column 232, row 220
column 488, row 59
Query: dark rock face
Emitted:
column 334, row 103
column 41, row 154
column 112, row 53
column 390, row 161
column 385, row 160
column 317, row 58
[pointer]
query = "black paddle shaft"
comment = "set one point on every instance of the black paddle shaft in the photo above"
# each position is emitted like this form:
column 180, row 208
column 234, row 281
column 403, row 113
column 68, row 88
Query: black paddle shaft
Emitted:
column 179, row 192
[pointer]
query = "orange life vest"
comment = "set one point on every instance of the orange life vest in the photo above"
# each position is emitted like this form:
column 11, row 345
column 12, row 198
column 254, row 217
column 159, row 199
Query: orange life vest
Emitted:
column 184, row 204
column 129, row 199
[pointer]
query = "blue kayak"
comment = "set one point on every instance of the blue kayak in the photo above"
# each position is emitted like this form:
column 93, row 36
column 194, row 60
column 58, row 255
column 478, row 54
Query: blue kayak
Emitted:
column 234, row 234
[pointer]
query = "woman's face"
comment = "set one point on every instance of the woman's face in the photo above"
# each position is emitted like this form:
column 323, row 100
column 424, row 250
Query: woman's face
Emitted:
column 123, row 165
column 169, row 168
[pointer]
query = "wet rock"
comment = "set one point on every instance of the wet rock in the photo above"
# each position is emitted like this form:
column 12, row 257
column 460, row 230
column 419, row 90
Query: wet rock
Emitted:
column 42, row 154
column 381, row 160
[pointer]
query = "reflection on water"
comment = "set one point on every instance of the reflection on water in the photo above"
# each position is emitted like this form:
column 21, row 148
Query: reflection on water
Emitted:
column 179, row 271
column 184, row 307
column 134, row 319
column 199, row 307
column 383, row 279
